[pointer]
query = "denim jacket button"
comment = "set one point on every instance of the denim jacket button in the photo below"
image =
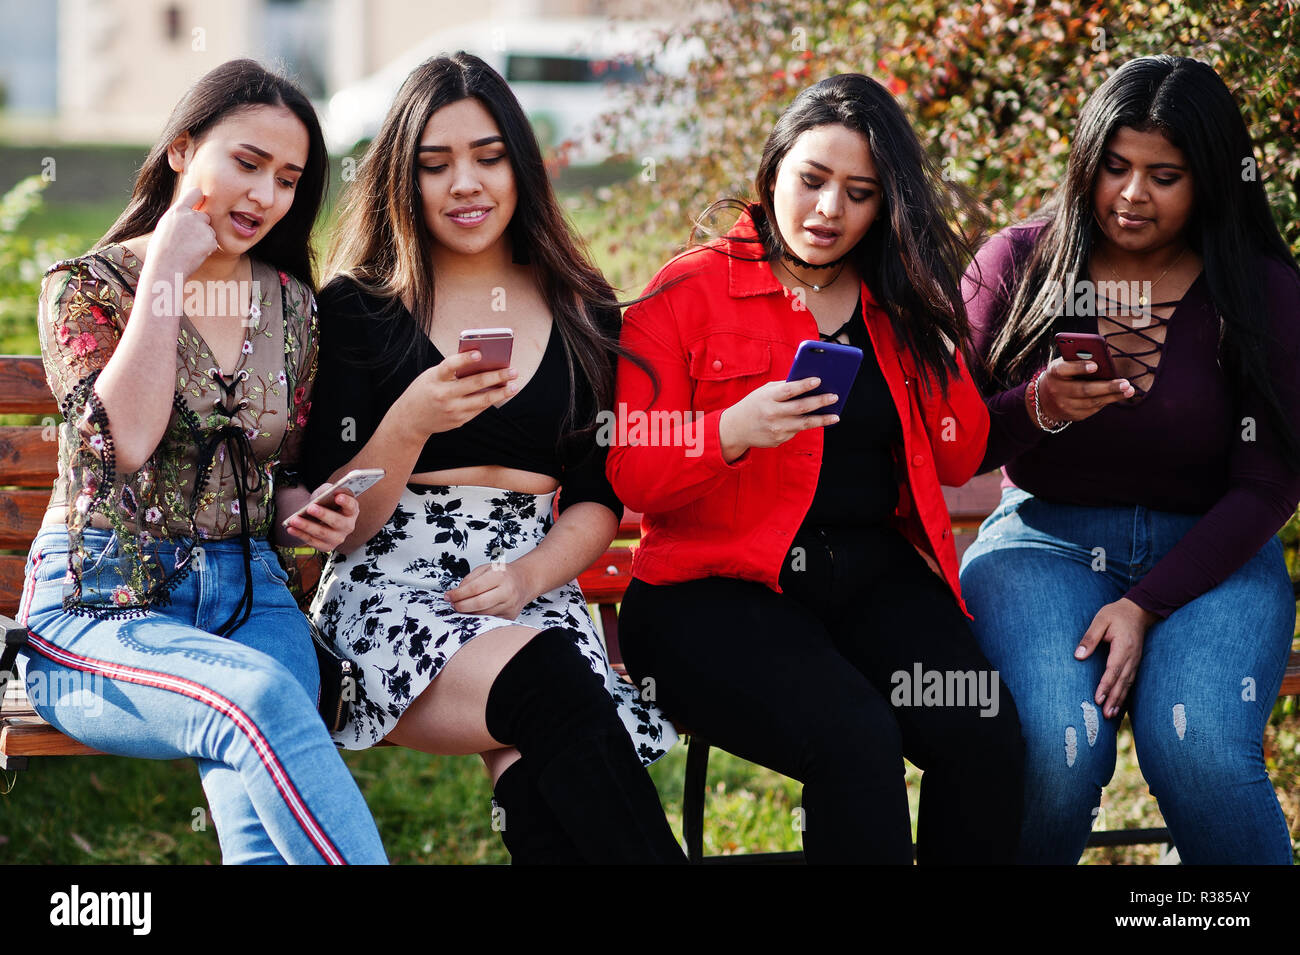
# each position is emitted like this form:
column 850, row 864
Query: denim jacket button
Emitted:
column 918, row 460
column 717, row 364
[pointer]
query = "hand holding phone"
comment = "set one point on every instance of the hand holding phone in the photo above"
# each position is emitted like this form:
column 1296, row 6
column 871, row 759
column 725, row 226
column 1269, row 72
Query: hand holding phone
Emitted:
column 355, row 482
column 1082, row 346
column 835, row 364
column 495, row 345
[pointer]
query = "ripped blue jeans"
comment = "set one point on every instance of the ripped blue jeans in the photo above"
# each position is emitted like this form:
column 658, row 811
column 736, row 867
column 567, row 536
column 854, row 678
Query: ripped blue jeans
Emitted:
column 1204, row 691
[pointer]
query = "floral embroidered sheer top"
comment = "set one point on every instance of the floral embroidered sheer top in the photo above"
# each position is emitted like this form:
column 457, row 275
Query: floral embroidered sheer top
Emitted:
column 213, row 473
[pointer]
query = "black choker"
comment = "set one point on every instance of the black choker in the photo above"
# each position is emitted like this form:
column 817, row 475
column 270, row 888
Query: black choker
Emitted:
column 805, row 265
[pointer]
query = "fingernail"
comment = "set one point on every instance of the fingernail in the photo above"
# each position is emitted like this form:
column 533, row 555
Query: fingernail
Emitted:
column 816, row 382
column 1078, row 653
column 1090, row 366
column 512, row 388
column 835, row 419
column 475, row 356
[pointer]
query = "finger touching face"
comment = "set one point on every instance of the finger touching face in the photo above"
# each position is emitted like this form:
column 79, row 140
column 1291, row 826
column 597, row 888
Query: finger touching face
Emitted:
column 247, row 167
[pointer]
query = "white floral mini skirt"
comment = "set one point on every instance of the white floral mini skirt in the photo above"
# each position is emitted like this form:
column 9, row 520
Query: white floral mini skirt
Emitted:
column 384, row 605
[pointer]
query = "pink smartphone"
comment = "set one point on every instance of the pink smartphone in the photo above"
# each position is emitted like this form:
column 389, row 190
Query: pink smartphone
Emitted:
column 1081, row 346
column 495, row 344
column 356, row 481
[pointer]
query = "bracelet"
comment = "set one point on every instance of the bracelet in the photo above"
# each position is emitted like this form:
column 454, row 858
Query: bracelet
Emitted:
column 1051, row 427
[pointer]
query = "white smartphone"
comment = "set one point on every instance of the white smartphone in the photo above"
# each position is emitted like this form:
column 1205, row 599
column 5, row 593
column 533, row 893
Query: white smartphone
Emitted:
column 357, row 480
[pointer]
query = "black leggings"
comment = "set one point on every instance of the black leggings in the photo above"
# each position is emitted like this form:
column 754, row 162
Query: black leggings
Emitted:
column 802, row 681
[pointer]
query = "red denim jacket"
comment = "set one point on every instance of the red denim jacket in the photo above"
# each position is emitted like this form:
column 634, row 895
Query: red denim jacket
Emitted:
column 714, row 337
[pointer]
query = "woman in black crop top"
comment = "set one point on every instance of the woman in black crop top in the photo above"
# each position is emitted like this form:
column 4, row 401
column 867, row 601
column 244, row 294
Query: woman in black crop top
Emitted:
column 455, row 595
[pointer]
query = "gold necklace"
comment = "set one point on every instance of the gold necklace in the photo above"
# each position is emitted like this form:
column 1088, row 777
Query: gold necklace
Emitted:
column 1142, row 299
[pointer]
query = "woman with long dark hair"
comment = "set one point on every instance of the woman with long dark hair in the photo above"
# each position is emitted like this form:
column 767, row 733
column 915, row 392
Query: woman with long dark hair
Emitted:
column 795, row 594
column 455, row 593
column 1149, row 524
column 182, row 351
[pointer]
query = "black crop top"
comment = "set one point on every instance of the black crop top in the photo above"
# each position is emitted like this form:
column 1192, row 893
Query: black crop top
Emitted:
column 858, row 485
column 353, row 394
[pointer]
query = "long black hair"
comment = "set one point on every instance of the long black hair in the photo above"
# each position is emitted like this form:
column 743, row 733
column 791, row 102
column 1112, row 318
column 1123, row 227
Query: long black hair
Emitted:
column 911, row 258
column 1231, row 226
column 230, row 88
column 383, row 244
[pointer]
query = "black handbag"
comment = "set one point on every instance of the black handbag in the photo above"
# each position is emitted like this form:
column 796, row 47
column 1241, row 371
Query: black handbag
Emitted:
column 338, row 682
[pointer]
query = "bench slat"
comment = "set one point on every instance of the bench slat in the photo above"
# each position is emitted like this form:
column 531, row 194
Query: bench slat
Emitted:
column 26, row 458
column 605, row 581
column 21, row 512
column 23, row 389
column 11, row 582
column 32, row 736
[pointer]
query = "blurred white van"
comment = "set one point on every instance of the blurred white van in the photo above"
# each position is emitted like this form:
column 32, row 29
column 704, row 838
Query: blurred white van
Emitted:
column 566, row 71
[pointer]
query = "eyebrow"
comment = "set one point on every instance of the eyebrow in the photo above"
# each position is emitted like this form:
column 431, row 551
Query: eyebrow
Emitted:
column 265, row 155
column 1110, row 153
column 485, row 141
column 829, row 171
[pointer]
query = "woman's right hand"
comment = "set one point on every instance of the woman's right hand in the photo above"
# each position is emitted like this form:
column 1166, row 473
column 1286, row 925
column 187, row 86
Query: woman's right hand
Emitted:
column 438, row 401
column 1065, row 395
column 183, row 238
column 771, row 415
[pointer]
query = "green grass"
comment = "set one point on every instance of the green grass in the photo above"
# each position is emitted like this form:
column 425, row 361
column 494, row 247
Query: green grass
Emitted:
column 437, row 809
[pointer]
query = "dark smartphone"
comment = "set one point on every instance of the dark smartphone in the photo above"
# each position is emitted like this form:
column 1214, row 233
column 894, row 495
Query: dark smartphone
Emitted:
column 835, row 364
column 1082, row 346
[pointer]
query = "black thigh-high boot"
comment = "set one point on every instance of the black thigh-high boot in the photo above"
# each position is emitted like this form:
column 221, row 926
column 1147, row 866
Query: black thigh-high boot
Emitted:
column 529, row 829
column 549, row 704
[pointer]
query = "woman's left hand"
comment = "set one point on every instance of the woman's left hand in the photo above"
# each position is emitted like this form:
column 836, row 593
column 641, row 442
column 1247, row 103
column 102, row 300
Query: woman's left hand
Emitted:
column 1123, row 625
column 499, row 589
column 325, row 528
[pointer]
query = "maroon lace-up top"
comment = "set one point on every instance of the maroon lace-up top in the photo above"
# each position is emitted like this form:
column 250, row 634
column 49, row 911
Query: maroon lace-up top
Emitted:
column 1185, row 442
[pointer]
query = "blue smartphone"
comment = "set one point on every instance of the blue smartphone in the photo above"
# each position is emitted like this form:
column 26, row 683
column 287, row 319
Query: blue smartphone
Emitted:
column 835, row 364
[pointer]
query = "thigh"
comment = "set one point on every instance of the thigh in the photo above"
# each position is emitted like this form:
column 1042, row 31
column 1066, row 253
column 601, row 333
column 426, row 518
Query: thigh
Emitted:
column 448, row 716
column 148, row 687
column 752, row 671
column 1031, row 606
column 1211, row 671
column 908, row 636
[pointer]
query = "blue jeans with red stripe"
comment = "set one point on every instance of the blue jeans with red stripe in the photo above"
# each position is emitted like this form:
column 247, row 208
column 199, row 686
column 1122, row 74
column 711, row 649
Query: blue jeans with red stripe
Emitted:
column 162, row 686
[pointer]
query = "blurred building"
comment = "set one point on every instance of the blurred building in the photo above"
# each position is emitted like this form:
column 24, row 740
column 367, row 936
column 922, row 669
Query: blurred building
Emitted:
column 111, row 70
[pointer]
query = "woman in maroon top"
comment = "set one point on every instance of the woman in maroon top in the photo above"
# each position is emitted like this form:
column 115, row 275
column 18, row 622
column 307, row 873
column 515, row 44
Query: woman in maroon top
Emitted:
column 1149, row 524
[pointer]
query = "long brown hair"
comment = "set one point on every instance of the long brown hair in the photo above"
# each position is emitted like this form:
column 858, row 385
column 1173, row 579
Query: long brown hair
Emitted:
column 230, row 88
column 383, row 244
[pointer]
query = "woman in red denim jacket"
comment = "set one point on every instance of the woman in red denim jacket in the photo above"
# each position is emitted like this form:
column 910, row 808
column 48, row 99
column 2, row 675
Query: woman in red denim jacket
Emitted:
column 795, row 597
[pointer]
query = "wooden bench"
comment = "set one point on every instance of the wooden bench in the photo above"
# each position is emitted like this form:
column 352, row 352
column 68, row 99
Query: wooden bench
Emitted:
column 27, row 469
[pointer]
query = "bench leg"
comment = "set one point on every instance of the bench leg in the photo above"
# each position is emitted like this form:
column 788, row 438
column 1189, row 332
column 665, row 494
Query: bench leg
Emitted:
column 697, row 767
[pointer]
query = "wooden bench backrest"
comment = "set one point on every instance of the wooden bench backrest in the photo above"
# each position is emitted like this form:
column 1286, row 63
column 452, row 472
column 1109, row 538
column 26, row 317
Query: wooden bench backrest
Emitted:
column 28, row 464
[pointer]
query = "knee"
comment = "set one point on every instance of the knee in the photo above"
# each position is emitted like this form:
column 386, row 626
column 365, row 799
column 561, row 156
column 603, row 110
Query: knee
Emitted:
column 859, row 742
column 266, row 699
column 1069, row 751
column 1184, row 756
column 548, row 687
